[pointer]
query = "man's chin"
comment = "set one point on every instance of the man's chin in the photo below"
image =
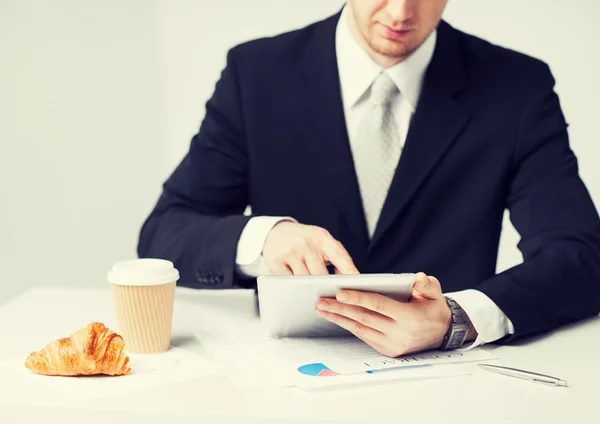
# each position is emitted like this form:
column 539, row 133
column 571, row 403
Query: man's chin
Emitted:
column 391, row 49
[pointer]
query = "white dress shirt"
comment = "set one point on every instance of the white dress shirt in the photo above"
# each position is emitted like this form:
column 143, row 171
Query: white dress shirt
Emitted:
column 357, row 71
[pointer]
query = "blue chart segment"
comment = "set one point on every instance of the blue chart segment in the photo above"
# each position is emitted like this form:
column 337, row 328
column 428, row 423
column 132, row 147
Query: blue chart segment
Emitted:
column 317, row 370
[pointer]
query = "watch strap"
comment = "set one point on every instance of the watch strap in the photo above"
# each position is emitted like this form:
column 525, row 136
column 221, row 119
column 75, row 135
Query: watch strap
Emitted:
column 459, row 327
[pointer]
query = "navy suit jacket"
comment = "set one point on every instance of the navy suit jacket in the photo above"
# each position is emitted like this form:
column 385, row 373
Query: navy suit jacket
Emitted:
column 488, row 134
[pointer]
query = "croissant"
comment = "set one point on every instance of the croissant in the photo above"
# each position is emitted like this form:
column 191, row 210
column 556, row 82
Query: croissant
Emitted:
column 92, row 350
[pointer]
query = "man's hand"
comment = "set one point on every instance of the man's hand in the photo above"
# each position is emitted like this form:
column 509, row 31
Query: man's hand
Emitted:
column 390, row 327
column 297, row 249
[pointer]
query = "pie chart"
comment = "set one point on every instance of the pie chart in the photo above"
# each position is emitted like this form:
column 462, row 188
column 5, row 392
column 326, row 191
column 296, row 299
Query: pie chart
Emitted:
column 317, row 370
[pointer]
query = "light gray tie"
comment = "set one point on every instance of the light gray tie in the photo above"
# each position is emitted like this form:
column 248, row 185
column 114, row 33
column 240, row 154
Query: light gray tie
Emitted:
column 376, row 150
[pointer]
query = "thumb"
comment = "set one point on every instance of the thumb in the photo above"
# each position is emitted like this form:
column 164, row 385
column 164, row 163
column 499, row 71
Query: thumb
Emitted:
column 428, row 287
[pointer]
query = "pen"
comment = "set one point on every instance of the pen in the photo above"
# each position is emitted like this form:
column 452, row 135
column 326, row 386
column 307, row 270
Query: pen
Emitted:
column 526, row 375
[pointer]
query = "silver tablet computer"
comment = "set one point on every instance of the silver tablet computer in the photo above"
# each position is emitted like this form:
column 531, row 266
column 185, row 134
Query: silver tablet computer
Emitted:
column 287, row 303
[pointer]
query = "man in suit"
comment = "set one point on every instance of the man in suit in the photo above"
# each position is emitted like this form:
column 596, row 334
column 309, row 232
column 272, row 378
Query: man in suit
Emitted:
column 384, row 140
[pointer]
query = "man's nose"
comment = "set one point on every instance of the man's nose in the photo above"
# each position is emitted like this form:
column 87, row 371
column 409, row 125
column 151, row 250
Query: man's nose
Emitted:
column 401, row 10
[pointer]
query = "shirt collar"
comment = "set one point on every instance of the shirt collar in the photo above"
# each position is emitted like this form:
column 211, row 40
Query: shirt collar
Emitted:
column 358, row 71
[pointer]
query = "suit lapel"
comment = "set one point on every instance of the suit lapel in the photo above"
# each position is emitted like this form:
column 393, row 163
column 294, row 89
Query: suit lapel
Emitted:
column 324, row 131
column 436, row 123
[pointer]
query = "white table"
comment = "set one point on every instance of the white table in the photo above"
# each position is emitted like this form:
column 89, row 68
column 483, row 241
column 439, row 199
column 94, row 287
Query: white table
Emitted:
column 571, row 353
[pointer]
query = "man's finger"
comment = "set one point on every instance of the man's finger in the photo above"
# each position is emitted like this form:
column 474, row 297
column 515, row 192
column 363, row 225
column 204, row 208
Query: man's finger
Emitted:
column 359, row 314
column 280, row 269
column 334, row 252
column 298, row 266
column 315, row 264
column 372, row 301
column 359, row 330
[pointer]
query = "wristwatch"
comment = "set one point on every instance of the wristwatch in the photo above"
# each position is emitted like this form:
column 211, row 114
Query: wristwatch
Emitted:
column 459, row 328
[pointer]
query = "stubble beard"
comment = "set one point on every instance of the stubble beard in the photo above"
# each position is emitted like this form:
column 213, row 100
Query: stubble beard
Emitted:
column 391, row 49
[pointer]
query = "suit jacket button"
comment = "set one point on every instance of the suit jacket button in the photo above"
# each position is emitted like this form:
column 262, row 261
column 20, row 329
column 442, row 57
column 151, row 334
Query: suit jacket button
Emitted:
column 201, row 277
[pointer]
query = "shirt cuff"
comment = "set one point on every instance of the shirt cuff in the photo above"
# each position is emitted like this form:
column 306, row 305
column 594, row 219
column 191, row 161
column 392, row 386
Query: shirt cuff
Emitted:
column 249, row 260
column 487, row 318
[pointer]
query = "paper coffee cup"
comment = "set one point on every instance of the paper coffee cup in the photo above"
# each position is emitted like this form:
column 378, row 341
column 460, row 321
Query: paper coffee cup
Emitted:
column 144, row 293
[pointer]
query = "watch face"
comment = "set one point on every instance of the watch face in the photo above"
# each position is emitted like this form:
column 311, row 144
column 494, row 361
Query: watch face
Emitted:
column 457, row 338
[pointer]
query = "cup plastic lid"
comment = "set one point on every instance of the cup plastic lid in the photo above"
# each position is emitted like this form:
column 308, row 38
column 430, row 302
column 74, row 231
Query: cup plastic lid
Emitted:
column 143, row 272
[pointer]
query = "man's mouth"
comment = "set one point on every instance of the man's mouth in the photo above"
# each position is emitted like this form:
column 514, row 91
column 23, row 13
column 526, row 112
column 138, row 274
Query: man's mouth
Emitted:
column 396, row 33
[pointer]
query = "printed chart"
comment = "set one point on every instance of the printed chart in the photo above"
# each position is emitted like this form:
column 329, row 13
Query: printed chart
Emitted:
column 317, row 370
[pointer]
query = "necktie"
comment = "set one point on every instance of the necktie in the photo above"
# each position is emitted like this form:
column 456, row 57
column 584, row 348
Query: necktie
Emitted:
column 377, row 149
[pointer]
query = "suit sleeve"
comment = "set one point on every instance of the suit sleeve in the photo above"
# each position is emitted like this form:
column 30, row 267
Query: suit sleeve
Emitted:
column 198, row 219
column 559, row 279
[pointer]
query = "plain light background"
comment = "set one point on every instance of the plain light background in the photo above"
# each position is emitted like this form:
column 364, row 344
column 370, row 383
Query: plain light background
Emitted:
column 99, row 101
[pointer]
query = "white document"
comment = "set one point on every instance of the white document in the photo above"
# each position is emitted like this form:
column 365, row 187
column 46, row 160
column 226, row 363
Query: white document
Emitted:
column 147, row 372
column 255, row 359
column 425, row 372
column 287, row 303
column 351, row 355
